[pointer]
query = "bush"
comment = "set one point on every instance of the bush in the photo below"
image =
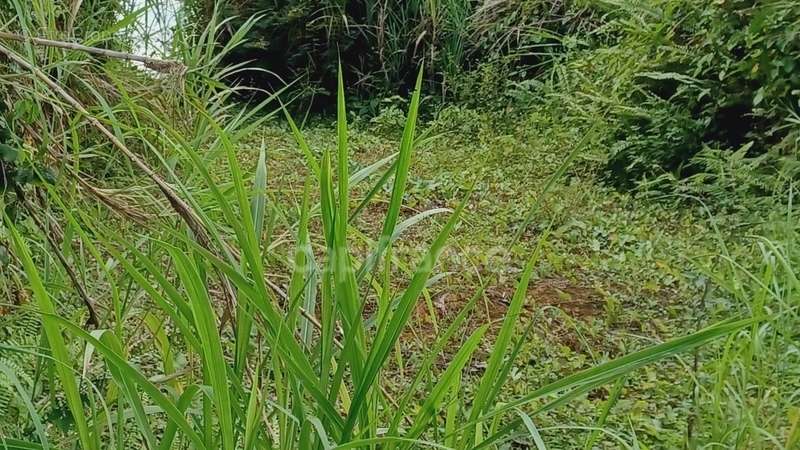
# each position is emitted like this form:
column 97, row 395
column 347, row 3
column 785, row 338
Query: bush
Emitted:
column 664, row 140
column 719, row 75
column 756, row 51
column 381, row 43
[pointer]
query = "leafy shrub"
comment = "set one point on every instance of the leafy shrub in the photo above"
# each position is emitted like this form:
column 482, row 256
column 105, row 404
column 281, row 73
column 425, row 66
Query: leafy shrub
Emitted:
column 750, row 56
column 380, row 43
column 391, row 117
column 677, row 77
column 663, row 140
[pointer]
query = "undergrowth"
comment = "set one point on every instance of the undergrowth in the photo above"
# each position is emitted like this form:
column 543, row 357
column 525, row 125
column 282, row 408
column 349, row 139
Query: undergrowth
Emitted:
column 173, row 283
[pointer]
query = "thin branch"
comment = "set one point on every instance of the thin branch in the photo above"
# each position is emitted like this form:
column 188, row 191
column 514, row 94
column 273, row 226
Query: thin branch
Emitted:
column 159, row 65
column 49, row 233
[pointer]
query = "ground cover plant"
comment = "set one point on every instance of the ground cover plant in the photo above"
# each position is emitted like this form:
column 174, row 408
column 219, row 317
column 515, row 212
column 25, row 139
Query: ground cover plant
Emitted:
column 187, row 269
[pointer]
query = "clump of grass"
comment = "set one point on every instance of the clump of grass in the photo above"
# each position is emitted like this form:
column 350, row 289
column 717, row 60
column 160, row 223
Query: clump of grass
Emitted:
column 326, row 390
column 750, row 398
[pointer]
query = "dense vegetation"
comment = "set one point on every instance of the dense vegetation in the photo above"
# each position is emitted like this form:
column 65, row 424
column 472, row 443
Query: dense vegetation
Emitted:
column 380, row 43
column 671, row 79
column 399, row 224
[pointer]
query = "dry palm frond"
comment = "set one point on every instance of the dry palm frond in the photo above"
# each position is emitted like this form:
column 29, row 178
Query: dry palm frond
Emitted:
column 116, row 202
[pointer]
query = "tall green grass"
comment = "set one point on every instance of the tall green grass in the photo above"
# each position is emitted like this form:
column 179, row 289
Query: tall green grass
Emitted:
column 200, row 348
column 380, row 43
column 751, row 397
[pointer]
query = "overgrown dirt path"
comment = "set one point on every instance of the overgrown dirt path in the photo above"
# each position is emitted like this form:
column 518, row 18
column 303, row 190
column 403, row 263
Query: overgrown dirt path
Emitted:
column 614, row 273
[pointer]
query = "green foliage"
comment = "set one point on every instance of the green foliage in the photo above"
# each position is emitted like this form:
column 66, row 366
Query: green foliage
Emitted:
column 664, row 139
column 18, row 170
column 760, row 368
column 380, row 43
column 18, row 330
column 749, row 56
column 674, row 81
column 289, row 317
column 697, row 75
column 308, row 379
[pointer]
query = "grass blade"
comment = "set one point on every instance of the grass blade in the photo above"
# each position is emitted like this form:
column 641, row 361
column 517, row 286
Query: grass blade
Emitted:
column 211, row 343
column 390, row 329
column 489, row 379
column 128, row 371
column 58, row 348
column 449, row 377
column 400, row 177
